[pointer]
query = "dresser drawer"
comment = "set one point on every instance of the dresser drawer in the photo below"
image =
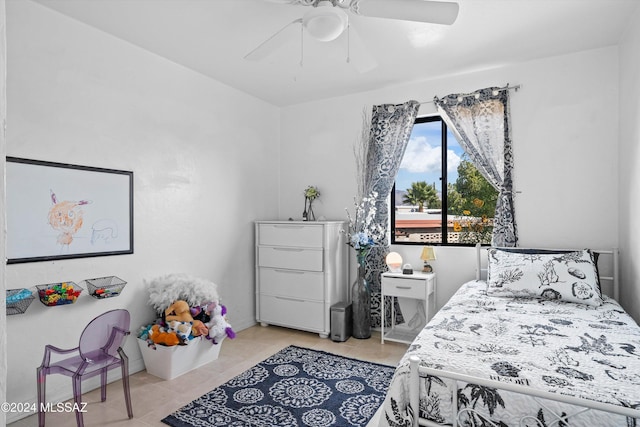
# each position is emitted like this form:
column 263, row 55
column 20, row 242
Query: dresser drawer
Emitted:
column 308, row 285
column 291, row 258
column 292, row 311
column 308, row 236
column 400, row 287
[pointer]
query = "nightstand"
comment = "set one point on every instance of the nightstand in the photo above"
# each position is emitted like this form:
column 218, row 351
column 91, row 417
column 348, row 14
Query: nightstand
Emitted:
column 416, row 294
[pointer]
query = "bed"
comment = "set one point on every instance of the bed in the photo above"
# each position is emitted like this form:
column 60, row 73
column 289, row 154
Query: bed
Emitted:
column 536, row 343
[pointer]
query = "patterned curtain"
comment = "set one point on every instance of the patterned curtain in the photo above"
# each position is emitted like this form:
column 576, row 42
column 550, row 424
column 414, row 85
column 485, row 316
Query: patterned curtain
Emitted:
column 391, row 127
column 482, row 123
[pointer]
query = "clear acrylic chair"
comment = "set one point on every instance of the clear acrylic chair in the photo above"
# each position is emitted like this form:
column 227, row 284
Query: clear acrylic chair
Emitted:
column 99, row 350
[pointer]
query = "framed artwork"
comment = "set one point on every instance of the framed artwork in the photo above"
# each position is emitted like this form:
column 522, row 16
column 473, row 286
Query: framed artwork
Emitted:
column 59, row 211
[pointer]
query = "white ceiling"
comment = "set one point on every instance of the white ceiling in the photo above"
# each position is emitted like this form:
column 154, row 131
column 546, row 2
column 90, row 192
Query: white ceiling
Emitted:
column 213, row 36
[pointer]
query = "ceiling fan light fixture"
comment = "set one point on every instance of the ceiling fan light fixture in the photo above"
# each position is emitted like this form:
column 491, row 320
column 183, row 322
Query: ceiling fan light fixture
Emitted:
column 325, row 22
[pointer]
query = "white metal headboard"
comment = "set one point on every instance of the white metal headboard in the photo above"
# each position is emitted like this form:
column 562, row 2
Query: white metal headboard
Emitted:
column 613, row 278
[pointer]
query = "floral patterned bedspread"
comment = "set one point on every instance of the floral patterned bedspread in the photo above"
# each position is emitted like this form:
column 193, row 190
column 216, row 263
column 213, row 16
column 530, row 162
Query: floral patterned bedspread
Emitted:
column 561, row 347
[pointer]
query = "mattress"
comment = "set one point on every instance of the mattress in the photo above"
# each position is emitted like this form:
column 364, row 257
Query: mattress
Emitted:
column 590, row 352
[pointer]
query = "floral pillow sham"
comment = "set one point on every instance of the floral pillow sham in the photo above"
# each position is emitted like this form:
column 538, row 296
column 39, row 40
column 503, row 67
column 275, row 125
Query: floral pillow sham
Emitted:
column 566, row 276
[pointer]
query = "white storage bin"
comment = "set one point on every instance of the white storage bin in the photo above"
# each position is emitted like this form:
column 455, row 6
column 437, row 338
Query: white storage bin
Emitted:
column 171, row 362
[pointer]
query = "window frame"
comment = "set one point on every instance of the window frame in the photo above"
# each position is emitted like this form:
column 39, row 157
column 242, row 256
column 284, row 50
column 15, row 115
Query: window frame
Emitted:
column 444, row 184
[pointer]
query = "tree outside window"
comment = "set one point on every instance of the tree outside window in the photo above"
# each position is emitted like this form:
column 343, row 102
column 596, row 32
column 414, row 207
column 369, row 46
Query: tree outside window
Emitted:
column 422, row 194
column 470, row 200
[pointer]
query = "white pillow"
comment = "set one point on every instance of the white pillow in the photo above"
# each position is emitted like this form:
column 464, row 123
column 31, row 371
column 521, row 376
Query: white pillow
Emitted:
column 569, row 276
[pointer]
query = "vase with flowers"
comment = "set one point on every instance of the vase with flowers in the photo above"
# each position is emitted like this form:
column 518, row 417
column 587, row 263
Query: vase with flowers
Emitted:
column 310, row 194
column 363, row 234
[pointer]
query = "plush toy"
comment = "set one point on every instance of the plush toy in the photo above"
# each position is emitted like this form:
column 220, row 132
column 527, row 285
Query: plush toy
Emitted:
column 143, row 332
column 181, row 329
column 179, row 311
column 199, row 329
column 219, row 328
column 203, row 312
column 160, row 336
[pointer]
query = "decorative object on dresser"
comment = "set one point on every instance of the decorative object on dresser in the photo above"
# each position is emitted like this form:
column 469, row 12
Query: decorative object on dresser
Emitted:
column 301, row 271
column 310, row 194
column 428, row 254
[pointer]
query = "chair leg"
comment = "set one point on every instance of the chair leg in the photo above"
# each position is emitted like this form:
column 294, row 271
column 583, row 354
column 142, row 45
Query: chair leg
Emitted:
column 41, row 378
column 103, row 385
column 77, row 397
column 125, row 381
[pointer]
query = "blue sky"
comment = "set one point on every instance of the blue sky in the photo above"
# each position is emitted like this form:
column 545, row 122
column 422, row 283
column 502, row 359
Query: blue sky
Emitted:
column 422, row 158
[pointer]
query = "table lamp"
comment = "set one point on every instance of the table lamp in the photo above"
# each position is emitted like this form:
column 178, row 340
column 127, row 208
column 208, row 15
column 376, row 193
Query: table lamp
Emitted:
column 394, row 262
column 428, row 254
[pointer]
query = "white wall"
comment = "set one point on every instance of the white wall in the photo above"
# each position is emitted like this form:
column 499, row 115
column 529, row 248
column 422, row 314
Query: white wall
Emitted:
column 3, row 148
column 629, row 190
column 205, row 165
column 565, row 147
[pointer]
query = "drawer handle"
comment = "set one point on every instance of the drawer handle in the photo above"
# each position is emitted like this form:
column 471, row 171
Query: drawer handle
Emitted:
column 289, row 271
column 403, row 287
column 288, row 249
column 290, row 299
column 288, row 226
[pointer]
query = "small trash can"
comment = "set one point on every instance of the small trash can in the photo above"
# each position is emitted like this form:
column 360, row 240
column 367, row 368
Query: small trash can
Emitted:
column 340, row 321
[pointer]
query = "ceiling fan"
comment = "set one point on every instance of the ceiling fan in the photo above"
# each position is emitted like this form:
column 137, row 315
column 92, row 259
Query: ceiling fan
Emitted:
column 328, row 19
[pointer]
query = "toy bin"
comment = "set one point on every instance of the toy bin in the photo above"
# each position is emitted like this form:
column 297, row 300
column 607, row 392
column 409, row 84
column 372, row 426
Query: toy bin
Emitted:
column 18, row 300
column 105, row 287
column 62, row 293
column 171, row 362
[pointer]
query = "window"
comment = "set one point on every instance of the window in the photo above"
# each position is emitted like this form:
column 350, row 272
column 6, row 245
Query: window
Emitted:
column 432, row 207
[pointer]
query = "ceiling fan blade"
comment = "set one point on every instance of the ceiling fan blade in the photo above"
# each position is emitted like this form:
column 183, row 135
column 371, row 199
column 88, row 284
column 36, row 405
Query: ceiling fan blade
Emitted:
column 434, row 12
column 302, row 2
column 271, row 44
column 359, row 56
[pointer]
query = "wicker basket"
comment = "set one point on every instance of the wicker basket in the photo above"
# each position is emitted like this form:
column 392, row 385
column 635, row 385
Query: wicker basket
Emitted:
column 61, row 293
column 105, row 287
column 18, row 300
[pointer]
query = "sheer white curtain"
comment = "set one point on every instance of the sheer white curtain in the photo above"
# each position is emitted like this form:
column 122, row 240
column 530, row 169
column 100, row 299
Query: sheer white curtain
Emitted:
column 482, row 123
column 389, row 135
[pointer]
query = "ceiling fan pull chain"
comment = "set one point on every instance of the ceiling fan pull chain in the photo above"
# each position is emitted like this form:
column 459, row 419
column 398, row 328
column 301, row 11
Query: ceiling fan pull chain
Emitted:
column 348, row 42
column 301, row 46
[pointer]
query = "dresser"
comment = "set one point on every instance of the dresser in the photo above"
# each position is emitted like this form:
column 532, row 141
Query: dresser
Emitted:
column 301, row 271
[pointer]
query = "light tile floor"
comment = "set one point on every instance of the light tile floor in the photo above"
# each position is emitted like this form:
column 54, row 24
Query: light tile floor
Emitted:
column 154, row 398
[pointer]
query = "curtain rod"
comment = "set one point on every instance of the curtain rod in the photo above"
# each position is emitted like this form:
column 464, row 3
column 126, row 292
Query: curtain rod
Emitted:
column 507, row 87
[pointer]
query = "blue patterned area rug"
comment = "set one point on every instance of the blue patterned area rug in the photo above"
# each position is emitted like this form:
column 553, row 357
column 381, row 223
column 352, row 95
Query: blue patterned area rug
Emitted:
column 294, row 387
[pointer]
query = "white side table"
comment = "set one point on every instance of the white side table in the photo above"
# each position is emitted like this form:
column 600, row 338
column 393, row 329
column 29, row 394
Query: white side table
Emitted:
column 418, row 288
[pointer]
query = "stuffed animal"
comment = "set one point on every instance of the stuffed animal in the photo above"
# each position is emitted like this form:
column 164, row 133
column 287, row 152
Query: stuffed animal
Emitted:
column 160, row 336
column 181, row 329
column 219, row 328
column 203, row 312
column 199, row 329
column 179, row 310
column 143, row 332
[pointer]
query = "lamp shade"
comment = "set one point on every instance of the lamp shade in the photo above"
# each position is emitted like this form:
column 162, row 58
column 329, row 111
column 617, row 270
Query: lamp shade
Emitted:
column 325, row 22
column 394, row 262
column 428, row 253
